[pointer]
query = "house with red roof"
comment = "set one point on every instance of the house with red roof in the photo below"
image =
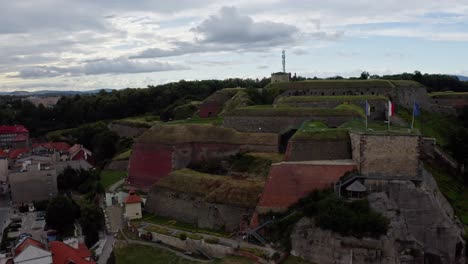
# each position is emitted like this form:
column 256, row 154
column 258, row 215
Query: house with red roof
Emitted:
column 78, row 152
column 13, row 137
column 133, row 206
column 70, row 251
column 30, row 251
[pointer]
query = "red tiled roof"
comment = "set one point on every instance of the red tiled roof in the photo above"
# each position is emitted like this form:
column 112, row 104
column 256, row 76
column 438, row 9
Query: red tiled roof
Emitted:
column 25, row 243
column 13, row 129
column 64, row 254
column 15, row 153
column 133, row 198
column 60, row 146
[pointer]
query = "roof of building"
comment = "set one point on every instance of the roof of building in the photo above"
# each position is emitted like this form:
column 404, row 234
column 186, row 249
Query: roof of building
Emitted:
column 15, row 153
column 59, row 146
column 133, row 198
column 13, row 129
column 25, row 243
column 356, row 186
column 64, row 254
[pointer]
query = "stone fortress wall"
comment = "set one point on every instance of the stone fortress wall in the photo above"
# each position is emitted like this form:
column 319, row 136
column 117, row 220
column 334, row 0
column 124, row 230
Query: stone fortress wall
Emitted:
column 318, row 150
column 279, row 124
column 195, row 210
column 386, row 156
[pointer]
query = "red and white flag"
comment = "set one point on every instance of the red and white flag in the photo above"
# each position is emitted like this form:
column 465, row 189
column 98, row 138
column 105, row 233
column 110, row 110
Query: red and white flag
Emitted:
column 391, row 108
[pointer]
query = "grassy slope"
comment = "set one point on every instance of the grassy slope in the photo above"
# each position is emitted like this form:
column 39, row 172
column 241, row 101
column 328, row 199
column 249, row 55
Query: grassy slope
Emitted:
column 134, row 254
column 455, row 192
column 216, row 121
column 306, row 99
column 449, row 95
column 269, row 110
column 214, row 188
column 434, row 125
column 110, row 177
column 123, row 155
column 164, row 221
column 333, row 84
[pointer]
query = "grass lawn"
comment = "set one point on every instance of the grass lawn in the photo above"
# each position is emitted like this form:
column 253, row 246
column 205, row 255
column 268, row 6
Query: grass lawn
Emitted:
column 109, row 177
column 123, row 156
column 216, row 121
column 134, row 254
column 455, row 192
column 159, row 220
column 295, row 260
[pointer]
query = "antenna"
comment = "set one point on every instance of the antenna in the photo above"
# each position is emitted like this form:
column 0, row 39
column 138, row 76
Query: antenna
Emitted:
column 284, row 61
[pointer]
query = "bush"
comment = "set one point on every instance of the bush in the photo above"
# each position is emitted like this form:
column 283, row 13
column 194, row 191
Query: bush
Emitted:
column 211, row 240
column 183, row 236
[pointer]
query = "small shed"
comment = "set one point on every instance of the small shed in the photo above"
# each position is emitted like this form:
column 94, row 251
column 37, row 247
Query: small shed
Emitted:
column 356, row 190
column 133, row 206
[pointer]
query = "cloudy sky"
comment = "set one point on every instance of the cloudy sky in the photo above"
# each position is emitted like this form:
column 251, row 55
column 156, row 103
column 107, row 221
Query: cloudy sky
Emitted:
column 94, row 44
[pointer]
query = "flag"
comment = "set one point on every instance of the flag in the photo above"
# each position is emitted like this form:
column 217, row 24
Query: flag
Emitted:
column 367, row 109
column 416, row 109
column 391, row 108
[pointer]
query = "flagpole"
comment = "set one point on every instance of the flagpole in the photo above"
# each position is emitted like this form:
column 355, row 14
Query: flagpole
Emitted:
column 366, row 113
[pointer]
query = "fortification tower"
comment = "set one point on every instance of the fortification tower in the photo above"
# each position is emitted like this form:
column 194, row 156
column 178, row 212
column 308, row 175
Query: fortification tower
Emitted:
column 281, row 76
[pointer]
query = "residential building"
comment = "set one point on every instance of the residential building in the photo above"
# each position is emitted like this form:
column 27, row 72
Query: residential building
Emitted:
column 33, row 182
column 70, row 251
column 13, row 137
column 30, row 251
column 133, row 206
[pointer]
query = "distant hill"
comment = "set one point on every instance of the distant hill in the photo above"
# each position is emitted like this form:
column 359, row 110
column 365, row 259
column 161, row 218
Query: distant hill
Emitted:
column 462, row 78
column 52, row 93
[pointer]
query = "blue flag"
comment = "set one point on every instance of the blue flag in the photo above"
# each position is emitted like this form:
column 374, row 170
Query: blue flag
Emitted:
column 416, row 109
column 367, row 109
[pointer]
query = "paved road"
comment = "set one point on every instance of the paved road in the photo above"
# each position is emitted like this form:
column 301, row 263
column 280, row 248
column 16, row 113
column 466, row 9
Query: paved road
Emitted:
column 4, row 216
column 107, row 250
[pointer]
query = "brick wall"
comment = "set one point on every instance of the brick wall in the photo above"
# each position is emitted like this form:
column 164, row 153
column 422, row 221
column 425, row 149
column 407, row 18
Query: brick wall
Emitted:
column 289, row 181
column 386, row 156
column 210, row 109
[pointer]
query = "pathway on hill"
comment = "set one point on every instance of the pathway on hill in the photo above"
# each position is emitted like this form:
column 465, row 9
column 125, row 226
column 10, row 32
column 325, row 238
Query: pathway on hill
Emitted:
column 152, row 244
column 234, row 243
column 107, row 250
column 116, row 185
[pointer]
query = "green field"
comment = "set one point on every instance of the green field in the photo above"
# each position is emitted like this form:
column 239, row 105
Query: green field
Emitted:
column 319, row 131
column 137, row 254
column 109, row 177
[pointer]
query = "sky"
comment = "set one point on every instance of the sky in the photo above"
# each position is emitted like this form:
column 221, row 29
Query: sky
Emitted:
column 95, row 44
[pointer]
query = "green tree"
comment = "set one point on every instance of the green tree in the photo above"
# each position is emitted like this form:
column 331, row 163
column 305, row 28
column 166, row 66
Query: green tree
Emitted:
column 61, row 213
column 364, row 75
column 91, row 221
